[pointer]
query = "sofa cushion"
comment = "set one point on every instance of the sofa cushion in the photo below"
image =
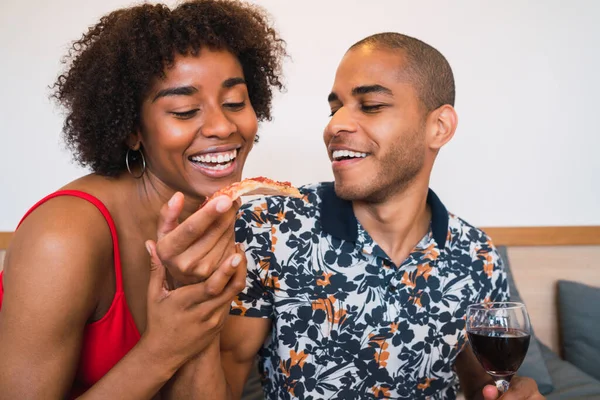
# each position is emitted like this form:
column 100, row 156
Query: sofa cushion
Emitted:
column 569, row 381
column 579, row 313
column 533, row 366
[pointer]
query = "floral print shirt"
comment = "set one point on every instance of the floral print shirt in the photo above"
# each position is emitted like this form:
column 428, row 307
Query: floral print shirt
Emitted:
column 347, row 322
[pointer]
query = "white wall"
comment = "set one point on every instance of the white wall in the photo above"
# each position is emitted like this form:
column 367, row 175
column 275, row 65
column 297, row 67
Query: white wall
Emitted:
column 525, row 153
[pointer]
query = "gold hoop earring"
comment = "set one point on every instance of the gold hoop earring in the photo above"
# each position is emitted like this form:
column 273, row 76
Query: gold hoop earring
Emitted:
column 134, row 158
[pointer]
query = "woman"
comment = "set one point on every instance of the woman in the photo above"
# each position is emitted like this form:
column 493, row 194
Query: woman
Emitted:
column 163, row 106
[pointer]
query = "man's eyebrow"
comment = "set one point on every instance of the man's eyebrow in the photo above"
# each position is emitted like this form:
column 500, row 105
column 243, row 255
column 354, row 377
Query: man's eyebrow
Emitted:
column 231, row 82
column 371, row 89
column 176, row 91
column 360, row 90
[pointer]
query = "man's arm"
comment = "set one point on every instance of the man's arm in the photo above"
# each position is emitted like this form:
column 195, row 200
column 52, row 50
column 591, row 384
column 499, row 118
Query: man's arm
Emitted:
column 221, row 371
column 471, row 374
column 241, row 340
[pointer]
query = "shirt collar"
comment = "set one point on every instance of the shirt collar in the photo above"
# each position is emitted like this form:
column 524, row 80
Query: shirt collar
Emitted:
column 338, row 219
column 337, row 215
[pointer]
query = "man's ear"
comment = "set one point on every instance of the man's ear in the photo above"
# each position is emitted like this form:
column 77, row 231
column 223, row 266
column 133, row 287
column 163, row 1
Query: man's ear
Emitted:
column 441, row 124
column 134, row 141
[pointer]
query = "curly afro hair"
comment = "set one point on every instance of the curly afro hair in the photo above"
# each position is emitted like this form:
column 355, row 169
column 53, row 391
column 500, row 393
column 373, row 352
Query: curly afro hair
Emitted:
column 110, row 69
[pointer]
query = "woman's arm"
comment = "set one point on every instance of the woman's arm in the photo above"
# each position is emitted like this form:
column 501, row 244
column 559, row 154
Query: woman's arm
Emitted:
column 58, row 260
column 52, row 280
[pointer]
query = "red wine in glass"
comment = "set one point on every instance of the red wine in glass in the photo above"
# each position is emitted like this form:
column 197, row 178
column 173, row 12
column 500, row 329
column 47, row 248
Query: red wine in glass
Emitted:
column 499, row 351
column 499, row 335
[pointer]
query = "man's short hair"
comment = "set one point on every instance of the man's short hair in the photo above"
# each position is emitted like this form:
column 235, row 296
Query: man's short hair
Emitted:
column 427, row 69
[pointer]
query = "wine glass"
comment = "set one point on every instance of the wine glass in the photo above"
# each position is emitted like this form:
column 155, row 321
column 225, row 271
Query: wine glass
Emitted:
column 499, row 335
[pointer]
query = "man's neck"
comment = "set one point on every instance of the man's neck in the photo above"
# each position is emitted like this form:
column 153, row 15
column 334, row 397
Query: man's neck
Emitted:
column 399, row 223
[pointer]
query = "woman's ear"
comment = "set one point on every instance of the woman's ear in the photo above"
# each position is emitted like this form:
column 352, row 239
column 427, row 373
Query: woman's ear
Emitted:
column 134, row 141
column 443, row 122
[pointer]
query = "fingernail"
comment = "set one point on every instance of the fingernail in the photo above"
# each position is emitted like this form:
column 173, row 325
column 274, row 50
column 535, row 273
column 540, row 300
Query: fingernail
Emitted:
column 237, row 259
column 223, row 205
column 172, row 200
column 148, row 249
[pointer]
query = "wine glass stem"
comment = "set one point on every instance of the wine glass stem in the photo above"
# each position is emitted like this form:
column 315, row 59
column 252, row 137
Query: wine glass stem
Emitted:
column 502, row 385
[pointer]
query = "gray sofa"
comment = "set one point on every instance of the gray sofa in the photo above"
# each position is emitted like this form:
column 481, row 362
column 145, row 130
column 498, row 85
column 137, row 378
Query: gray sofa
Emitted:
column 568, row 381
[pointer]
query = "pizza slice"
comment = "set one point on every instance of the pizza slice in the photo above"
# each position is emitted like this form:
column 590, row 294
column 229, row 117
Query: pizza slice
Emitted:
column 257, row 186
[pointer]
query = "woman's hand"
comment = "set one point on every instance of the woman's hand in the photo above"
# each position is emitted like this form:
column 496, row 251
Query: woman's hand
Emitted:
column 183, row 322
column 193, row 249
column 209, row 269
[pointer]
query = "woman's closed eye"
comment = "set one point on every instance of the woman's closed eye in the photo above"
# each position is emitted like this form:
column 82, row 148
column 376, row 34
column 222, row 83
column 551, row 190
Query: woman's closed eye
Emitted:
column 235, row 106
column 185, row 114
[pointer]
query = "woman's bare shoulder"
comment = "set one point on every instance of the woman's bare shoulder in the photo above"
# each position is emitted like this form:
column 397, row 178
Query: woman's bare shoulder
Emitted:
column 63, row 227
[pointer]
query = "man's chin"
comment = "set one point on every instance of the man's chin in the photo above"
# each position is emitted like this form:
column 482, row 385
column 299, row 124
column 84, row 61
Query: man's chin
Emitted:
column 349, row 192
column 364, row 193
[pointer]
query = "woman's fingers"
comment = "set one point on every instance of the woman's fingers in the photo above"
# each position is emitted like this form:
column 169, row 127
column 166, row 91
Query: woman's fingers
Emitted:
column 217, row 288
column 168, row 217
column 157, row 287
column 203, row 264
column 215, row 217
column 195, row 247
column 232, row 288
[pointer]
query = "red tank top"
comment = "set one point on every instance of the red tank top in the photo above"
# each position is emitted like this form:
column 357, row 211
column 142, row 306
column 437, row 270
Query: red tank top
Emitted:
column 107, row 340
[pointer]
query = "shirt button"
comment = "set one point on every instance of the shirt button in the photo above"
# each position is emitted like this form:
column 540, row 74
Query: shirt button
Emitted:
column 392, row 288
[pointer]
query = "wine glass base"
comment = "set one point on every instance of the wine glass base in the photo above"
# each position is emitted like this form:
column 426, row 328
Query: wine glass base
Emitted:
column 502, row 385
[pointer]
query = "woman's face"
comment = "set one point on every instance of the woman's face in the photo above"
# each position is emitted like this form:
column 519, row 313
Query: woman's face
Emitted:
column 197, row 124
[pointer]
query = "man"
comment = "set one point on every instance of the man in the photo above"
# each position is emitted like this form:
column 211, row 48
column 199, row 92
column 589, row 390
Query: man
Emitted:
column 360, row 289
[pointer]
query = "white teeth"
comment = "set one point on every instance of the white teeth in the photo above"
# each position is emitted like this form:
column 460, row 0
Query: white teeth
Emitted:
column 216, row 157
column 337, row 154
column 216, row 167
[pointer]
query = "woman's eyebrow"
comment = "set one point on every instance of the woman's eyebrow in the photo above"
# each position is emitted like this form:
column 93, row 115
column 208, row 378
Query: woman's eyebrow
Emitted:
column 176, row 91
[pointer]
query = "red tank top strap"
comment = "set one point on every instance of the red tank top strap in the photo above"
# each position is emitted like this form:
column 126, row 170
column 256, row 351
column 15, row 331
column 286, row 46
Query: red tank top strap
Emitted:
column 111, row 224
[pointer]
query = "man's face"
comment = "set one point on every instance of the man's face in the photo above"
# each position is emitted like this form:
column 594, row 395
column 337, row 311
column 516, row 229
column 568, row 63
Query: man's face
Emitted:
column 376, row 136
